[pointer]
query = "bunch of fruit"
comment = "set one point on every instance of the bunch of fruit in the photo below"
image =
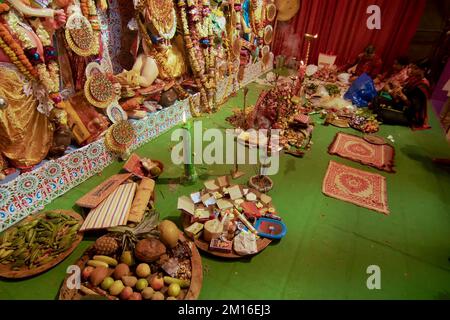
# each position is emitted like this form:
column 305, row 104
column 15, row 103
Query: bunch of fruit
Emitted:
column 142, row 273
column 108, row 277
column 366, row 125
column 39, row 241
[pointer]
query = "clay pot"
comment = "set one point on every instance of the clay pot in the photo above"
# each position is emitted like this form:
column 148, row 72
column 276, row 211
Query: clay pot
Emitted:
column 261, row 183
column 149, row 250
column 168, row 98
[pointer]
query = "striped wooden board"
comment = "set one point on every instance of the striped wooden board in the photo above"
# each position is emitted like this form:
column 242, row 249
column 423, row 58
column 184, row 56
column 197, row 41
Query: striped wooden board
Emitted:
column 113, row 211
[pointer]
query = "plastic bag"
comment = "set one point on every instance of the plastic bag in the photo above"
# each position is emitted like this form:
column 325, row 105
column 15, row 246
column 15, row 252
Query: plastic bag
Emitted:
column 362, row 91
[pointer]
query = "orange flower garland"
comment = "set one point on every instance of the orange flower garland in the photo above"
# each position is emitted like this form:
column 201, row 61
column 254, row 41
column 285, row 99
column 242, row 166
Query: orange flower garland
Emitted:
column 16, row 53
column 199, row 76
column 4, row 7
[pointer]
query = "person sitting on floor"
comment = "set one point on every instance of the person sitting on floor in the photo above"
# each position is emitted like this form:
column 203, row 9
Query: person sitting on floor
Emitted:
column 397, row 74
column 367, row 62
column 407, row 93
column 418, row 91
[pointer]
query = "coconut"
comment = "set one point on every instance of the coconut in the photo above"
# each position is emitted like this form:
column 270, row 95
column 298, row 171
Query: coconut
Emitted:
column 168, row 233
column 149, row 250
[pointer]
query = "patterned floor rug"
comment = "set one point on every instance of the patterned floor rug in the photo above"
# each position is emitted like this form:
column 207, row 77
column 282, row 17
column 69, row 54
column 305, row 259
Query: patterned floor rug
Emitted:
column 359, row 187
column 357, row 149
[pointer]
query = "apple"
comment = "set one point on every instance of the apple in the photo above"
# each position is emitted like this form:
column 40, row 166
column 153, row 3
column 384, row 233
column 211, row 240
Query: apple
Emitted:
column 136, row 296
column 157, row 283
column 126, row 293
column 141, row 284
column 87, row 272
column 147, row 293
column 158, row 296
column 174, row 290
column 143, row 270
column 107, row 283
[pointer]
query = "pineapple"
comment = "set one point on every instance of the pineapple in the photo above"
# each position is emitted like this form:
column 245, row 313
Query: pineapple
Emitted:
column 106, row 246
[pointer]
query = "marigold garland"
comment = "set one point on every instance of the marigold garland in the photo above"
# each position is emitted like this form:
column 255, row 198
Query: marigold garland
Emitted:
column 16, row 54
column 45, row 68
column 256, row 25
column 206, row 92
column 4, row 7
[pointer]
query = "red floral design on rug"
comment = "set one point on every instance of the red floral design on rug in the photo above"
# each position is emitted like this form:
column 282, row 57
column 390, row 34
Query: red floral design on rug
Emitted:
column 359, row 187
column 357, row 149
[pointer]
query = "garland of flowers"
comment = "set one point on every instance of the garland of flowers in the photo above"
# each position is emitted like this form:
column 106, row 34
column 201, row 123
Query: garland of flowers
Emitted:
column 206, row 88
column 211, row 54
column 3, row 7
column 192, row 56
column 206, row 32
column 16, row 54
column 256, row 25
column 231, row 77
column 47, row 75
column 50, row 56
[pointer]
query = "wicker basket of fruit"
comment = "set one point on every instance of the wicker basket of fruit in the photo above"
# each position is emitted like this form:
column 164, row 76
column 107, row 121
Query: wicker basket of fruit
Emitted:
column 148, row 262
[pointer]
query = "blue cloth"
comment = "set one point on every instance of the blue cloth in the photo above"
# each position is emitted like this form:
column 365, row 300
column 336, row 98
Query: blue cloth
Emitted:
column 362, row 91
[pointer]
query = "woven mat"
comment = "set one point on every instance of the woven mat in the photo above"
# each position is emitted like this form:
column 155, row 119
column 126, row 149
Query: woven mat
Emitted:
column 357, row 149
column 359, row 187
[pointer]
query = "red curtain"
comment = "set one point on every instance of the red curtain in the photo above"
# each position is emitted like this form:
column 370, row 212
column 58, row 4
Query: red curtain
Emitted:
column 342, row 29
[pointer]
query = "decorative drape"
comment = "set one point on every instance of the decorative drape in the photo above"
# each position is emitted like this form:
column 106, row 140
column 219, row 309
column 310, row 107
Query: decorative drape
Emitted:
column 342, row 29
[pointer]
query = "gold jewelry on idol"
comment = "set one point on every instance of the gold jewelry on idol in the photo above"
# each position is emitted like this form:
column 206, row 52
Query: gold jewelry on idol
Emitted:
column 119, row 137
column 268, row 34
column 80, row 36
column 99, row 90
column 271, row 12
column 163, row 17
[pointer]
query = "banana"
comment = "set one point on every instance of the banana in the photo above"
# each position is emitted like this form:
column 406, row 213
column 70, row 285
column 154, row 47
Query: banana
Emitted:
column 96, row 263
column 110, row 261
column 182, row 283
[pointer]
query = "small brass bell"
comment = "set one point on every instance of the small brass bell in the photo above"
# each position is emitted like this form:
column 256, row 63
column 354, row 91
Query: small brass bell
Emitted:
column 3, row 103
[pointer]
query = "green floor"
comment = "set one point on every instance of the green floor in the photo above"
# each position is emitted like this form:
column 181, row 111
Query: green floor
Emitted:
column 330, row 243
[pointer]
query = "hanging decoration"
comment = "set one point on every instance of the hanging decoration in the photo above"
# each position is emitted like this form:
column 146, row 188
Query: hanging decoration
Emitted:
column 82, row 29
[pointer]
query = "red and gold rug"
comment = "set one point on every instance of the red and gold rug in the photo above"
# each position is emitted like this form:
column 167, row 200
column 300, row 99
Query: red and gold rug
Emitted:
column 359, row 187
column 357, row 149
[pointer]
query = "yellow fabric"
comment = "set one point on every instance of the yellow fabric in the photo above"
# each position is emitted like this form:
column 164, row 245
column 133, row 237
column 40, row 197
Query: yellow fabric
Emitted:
column 25, row 134
column 175, row 62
